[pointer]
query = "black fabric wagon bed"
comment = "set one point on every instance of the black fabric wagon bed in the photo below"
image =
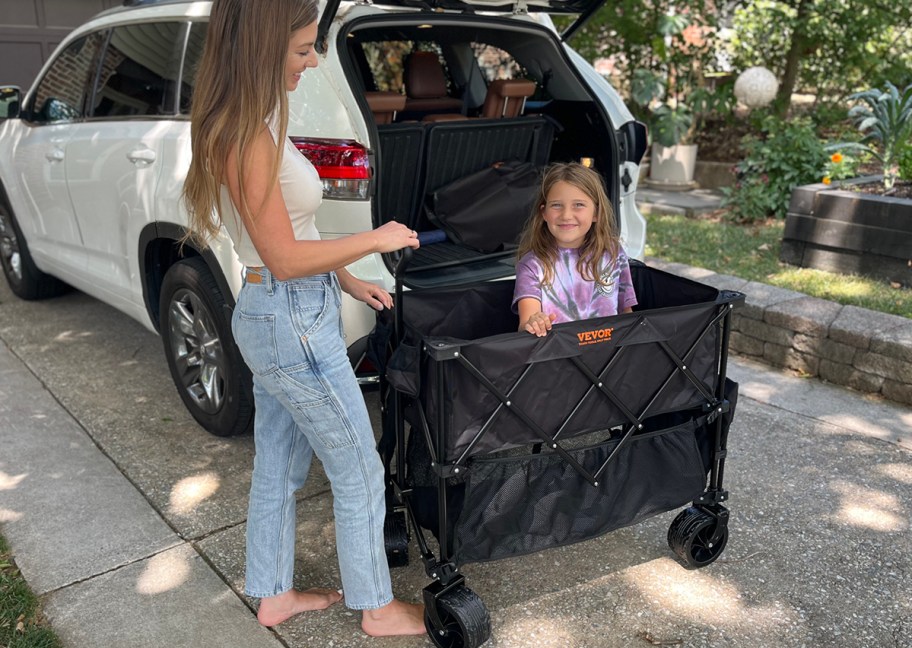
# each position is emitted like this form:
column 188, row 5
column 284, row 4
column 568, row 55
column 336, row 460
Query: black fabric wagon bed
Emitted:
column 502, row 443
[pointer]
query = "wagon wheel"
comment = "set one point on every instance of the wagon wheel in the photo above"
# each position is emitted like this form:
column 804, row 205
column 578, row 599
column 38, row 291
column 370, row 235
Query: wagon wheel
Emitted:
column 698, row 537
column 464, row 620
column 396, row 539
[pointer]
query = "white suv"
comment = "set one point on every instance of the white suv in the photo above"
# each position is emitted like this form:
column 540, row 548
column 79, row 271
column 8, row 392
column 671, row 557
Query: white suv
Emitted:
column 93, row 156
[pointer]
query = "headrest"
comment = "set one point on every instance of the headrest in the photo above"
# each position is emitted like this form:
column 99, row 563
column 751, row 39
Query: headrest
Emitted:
column 385, row 101
column 424, row 77
column 506, row 97
column 512, row 87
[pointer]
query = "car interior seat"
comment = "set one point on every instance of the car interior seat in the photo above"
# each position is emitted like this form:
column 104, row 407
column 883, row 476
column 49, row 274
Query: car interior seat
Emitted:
column 426, row 87
column 506, row 98
column 385, row 105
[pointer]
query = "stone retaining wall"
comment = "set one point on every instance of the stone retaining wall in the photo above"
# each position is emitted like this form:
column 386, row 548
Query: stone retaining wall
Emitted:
column 846, row 345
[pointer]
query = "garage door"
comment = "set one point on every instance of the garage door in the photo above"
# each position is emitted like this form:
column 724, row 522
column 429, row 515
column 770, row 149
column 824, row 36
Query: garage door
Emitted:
column 31, row 29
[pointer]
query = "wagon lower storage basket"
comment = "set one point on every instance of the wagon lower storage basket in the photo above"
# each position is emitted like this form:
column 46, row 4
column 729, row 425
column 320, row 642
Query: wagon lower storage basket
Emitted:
column 524, row 502
column 508, row 443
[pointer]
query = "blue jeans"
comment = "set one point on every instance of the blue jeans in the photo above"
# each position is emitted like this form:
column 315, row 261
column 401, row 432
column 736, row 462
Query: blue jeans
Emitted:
column 308, row 402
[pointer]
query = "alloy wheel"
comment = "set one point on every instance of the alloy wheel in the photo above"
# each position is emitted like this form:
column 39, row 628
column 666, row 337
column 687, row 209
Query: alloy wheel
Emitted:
column 197, row 351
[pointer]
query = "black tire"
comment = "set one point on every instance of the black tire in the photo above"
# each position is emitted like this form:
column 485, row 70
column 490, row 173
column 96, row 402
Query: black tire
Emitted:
column 396, row 539
column 691, row 536
column 24, row 278
column 205, row 364
column 464, row 620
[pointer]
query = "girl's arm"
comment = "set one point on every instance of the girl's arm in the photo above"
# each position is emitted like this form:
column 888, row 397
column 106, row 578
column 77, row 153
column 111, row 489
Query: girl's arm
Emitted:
column 531, row 317
column 271, row 231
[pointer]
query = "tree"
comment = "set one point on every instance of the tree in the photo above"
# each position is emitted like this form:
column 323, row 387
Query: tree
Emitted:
column 829, row 47
column 637, row 35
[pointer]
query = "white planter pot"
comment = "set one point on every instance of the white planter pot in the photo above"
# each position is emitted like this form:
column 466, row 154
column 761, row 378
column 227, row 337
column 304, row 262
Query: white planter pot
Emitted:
column 673, row 167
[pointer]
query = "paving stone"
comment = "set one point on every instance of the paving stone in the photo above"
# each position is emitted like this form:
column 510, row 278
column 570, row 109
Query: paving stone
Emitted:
column 767, row 332
column 899, row 392
column 824, row 348
column 786, row 356
column 808, row 315
column 745, row 344
column 886, row 366
column 895, row 342
column 855, row 326
column 849, row 376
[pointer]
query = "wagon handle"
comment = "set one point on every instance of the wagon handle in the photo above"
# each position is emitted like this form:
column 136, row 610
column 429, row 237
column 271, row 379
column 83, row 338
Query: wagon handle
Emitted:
column 405, row 257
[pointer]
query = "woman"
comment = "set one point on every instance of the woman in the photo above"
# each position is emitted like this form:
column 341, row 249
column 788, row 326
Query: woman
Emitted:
column 287, row 322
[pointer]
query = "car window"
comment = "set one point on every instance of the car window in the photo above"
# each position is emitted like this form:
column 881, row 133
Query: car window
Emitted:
column 139, row 70
column 192, row 57
column 386, row 60
column 496, row 63
column 61, row 94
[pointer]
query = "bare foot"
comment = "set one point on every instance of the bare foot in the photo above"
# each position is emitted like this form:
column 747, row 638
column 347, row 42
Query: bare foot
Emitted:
column 275, row 609
column 396, row 618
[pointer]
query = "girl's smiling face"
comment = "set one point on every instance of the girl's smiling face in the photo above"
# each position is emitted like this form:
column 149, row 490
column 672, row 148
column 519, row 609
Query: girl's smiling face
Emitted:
column 569, row 213
column 301, row 54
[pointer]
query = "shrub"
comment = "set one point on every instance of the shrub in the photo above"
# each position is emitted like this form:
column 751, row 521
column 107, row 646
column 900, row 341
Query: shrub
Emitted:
column 905, row 164
column 885, row 118
column 784, row 156
column 840, row 167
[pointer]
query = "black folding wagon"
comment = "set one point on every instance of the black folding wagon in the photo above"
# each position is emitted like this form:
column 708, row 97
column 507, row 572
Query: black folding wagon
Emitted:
column 500, row 443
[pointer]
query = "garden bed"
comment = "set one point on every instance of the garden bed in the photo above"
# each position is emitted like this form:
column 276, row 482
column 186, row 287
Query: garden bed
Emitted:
column 846, row 230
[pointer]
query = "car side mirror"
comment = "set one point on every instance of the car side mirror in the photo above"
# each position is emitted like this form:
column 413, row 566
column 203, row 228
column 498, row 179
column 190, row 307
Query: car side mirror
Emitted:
column 10, row 100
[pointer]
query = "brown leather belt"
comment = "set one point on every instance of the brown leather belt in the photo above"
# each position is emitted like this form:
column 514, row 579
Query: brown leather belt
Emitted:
column 253, row 276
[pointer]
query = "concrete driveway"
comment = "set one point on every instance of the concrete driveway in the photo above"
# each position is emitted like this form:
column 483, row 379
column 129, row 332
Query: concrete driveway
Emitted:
column 129, row 519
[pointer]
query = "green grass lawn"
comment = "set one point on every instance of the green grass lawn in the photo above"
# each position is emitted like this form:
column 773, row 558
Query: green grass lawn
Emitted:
column 752, row 252
column 21, row 625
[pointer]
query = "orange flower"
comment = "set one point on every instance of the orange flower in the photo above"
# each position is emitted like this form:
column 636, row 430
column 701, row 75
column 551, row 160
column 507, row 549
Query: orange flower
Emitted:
column 836, row 157
column 826, row 180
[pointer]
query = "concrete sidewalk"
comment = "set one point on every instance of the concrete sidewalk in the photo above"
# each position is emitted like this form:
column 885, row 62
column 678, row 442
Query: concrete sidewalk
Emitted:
column 820, row 554
column 111, row 569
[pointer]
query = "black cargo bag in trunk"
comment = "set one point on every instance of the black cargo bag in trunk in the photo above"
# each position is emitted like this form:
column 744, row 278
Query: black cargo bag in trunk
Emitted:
column 487, row 209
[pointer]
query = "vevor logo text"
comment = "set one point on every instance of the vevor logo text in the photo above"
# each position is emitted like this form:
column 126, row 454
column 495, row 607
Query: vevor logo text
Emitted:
column 592, row 337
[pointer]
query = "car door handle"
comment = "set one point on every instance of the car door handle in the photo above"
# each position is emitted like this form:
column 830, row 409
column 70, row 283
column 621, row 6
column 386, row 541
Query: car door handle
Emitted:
column 54, row 155
column 141, row 155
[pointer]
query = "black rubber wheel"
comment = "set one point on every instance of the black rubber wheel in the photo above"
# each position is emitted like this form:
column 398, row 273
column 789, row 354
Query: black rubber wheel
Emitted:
column 465, row 622
column 24, row 278
column 697, row 537
column 206, row 365
column 396, row 539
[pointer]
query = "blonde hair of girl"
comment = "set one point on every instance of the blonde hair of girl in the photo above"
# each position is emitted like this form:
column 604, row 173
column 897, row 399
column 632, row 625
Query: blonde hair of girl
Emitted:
column 602, row 237
column 239, row 87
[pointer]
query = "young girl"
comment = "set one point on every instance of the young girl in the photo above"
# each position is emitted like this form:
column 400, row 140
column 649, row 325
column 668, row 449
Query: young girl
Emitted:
column 571, row 264
column 246, row 176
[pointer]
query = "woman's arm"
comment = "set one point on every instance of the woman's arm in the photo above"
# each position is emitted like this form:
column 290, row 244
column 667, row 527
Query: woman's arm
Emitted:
column 271, row 231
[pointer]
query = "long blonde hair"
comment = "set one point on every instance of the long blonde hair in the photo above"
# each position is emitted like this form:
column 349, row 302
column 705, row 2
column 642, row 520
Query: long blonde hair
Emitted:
column 239, row 86
column 602, row 237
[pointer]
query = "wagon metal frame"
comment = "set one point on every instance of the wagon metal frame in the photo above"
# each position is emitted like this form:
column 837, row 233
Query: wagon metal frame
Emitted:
column 527, row 443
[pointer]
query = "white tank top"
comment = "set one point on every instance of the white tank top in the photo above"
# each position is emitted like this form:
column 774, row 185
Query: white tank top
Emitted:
column 302, row 191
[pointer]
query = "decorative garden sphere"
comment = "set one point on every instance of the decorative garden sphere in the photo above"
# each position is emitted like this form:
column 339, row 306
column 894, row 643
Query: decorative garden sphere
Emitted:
column 756, row 87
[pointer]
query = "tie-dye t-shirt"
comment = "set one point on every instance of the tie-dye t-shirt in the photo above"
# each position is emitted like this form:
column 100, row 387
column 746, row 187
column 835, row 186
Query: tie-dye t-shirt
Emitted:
column 570, row 297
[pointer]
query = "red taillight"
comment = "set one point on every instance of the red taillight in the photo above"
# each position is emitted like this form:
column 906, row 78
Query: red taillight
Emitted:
column 343, row 166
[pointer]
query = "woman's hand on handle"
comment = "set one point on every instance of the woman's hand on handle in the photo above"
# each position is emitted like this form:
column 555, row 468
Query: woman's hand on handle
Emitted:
column 394, row 236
